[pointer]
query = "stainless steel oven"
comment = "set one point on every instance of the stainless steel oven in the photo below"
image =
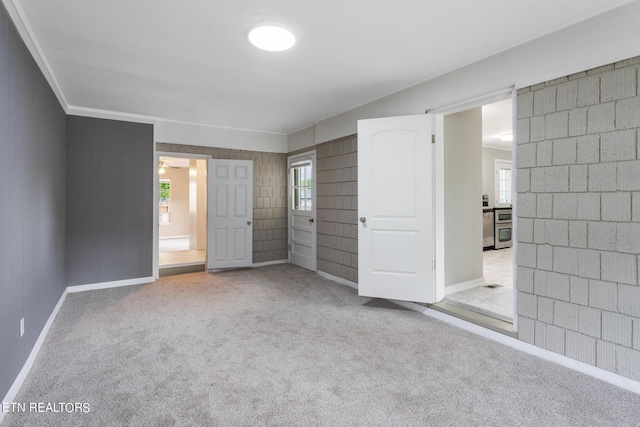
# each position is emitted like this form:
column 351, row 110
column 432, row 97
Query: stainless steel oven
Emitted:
column 503, row 227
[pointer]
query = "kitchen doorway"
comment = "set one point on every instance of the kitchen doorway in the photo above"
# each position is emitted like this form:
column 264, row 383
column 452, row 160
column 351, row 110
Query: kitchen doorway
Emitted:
column 479, row 244
column 182, row 214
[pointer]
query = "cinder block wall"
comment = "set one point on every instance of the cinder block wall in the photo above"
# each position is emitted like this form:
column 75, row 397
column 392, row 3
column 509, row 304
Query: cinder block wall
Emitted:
column 337, row 210
column 578, row 183
column 269, row 196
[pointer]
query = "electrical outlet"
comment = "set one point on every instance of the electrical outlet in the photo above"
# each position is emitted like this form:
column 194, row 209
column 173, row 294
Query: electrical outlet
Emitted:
column 21, row 327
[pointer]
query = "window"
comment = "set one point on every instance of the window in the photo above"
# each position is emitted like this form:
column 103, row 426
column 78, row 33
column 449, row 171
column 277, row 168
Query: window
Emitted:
column 301, row 183
column 164, row 201
column 503, row 182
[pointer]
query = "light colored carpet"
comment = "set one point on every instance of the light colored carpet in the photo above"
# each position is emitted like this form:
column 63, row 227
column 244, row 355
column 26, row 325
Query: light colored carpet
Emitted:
column 282, row 346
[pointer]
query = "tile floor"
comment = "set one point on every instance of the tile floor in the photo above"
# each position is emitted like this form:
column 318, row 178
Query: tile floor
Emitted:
column 496, row 301
column 176, row 253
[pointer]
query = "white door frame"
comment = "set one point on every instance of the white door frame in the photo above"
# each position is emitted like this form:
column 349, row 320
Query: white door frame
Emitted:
column 156, row 216
column 439, row 114
column 314, row 205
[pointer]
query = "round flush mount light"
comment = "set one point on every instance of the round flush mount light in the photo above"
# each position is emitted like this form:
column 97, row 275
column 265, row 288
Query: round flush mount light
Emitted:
column 272, row 37
column 506, row 137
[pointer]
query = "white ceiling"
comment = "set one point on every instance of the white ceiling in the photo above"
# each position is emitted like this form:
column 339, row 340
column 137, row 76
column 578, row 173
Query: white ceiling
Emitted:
column 190, row 60
column 497, row 120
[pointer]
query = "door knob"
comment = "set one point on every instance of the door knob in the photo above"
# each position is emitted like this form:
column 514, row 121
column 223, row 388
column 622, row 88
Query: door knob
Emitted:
column 363, row 219
column 311, row 220
column 248, row 222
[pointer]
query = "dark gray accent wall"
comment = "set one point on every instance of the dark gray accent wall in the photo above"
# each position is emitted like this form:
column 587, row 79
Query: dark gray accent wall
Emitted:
column 269, row 196
column 32, row 228
column 110, row 203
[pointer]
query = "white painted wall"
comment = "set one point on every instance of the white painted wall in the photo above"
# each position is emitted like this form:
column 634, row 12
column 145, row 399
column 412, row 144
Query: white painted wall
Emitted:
column 607, row 38
column 463, row 196
column 489, row 156
column 179, row 208
column 201, row 216
column 211, row 136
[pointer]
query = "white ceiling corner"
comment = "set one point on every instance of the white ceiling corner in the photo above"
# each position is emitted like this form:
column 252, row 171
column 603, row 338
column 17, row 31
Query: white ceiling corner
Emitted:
column 191, row 63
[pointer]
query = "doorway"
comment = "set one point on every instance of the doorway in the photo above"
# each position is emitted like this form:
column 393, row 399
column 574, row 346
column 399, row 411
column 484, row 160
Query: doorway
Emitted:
column 478, row 219
column 182, row 214
column 302, row 210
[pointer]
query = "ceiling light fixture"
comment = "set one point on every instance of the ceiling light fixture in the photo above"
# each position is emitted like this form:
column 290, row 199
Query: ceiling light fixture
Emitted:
column 506, row 137
column 272, row 37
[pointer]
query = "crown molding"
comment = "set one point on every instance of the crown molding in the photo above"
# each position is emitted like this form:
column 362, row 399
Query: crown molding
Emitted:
column 17, row 15
column 110, row 115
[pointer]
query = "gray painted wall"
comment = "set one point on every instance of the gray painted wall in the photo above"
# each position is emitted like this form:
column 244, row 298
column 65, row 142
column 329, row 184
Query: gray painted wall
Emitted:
column 579, row 216
column 32, row 230
column 463, row 196
column 110, row 208
column 269, row 196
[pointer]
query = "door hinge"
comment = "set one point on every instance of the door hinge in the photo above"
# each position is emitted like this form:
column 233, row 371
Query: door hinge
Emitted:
column 433, row 265
column 433, row 139
column 289, row 246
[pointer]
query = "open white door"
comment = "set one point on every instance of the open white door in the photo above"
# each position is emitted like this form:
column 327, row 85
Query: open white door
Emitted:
column 395, row 206
column 302, row 211
column 230, row 214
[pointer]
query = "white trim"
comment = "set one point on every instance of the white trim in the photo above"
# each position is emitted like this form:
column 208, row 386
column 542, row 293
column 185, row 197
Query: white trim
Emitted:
column 95, row 113
column 514, row 208
column 601, row 374
column 173, row 237
column 17, row 383
column 567, row 362
column 338, row 279
column 459, row 287
column 114, row 284
column 467, row 104
column 497, row 148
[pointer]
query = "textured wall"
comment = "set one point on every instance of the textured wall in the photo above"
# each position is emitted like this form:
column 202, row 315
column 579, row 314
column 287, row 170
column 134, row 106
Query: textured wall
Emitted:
column 579, row 216
column 269, row 196
column 32, row 229
column 337, row 212
column 110, row 204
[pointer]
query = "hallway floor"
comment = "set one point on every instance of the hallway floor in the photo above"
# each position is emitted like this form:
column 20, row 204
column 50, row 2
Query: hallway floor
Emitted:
column 495, row 297
column 175, row 252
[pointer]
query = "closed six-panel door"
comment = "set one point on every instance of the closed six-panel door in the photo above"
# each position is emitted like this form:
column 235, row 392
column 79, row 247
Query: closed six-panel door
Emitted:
column 230, row 213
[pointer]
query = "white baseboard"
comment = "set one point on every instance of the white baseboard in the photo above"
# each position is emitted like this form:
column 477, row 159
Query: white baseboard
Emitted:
column 17, row 384
column 593, row 371
column 114, row 284
column 340, row 280
column 459, row 287
column 264, row 264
